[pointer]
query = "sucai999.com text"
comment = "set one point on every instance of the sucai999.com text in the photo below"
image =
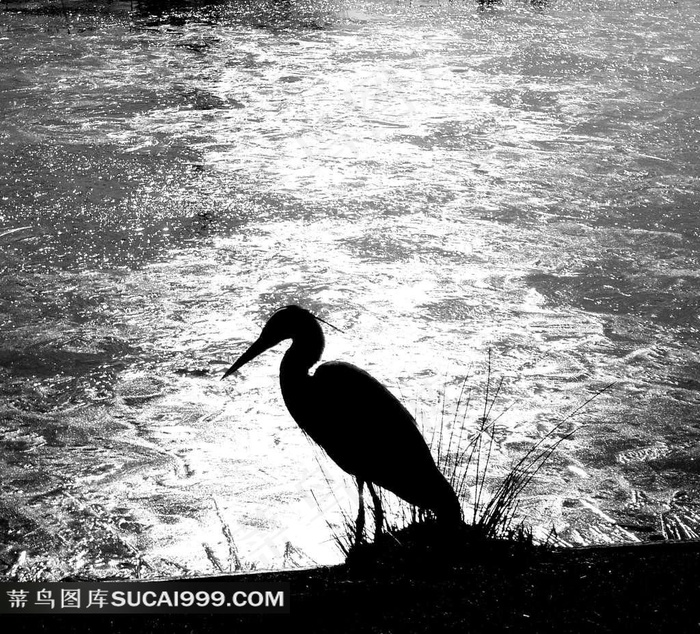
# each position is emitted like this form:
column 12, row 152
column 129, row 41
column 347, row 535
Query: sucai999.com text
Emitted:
column 144, row 597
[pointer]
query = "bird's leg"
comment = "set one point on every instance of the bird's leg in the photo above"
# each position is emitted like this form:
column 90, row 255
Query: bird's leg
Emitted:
column 378, row 512
column 360, row 523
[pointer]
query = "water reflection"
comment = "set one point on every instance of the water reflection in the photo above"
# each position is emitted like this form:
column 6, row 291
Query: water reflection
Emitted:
column 446, row 180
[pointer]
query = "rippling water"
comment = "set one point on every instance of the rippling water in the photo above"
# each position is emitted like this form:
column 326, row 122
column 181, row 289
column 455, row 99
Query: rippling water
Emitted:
column 437, row 179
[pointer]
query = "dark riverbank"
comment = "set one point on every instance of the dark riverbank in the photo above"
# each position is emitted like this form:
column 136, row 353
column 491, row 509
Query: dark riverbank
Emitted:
column 504, row 588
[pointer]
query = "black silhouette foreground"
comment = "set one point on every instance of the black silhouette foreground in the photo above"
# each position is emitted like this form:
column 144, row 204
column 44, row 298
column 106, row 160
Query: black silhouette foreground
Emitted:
column 355, row 419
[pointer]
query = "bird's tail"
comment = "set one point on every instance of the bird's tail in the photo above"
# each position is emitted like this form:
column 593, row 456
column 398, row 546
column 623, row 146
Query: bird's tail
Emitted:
column 446, row 506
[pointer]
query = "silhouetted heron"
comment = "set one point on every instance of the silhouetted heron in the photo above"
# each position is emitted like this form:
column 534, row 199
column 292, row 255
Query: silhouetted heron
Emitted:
column 355, row 419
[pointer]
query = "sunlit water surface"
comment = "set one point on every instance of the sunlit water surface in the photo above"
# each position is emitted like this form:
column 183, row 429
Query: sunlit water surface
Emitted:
column 504, row 194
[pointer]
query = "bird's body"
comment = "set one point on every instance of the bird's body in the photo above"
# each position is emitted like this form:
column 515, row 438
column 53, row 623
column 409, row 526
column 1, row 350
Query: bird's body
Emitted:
column 362, row 426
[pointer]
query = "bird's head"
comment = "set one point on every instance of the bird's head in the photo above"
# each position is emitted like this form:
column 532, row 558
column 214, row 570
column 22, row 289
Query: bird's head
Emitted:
column 289, row 322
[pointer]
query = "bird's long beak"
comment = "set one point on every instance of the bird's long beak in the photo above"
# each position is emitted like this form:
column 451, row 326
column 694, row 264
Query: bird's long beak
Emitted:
column 256, row 349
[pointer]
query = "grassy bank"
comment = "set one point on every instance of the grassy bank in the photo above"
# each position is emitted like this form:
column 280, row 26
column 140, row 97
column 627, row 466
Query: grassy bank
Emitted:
column 487, row 587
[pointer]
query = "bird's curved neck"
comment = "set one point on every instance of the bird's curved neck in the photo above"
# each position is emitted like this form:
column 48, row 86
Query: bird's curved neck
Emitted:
column 305, row 351
column 295, row 381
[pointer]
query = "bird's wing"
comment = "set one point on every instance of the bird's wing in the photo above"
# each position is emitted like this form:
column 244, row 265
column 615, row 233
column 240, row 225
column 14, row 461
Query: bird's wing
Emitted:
column 365, row 429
